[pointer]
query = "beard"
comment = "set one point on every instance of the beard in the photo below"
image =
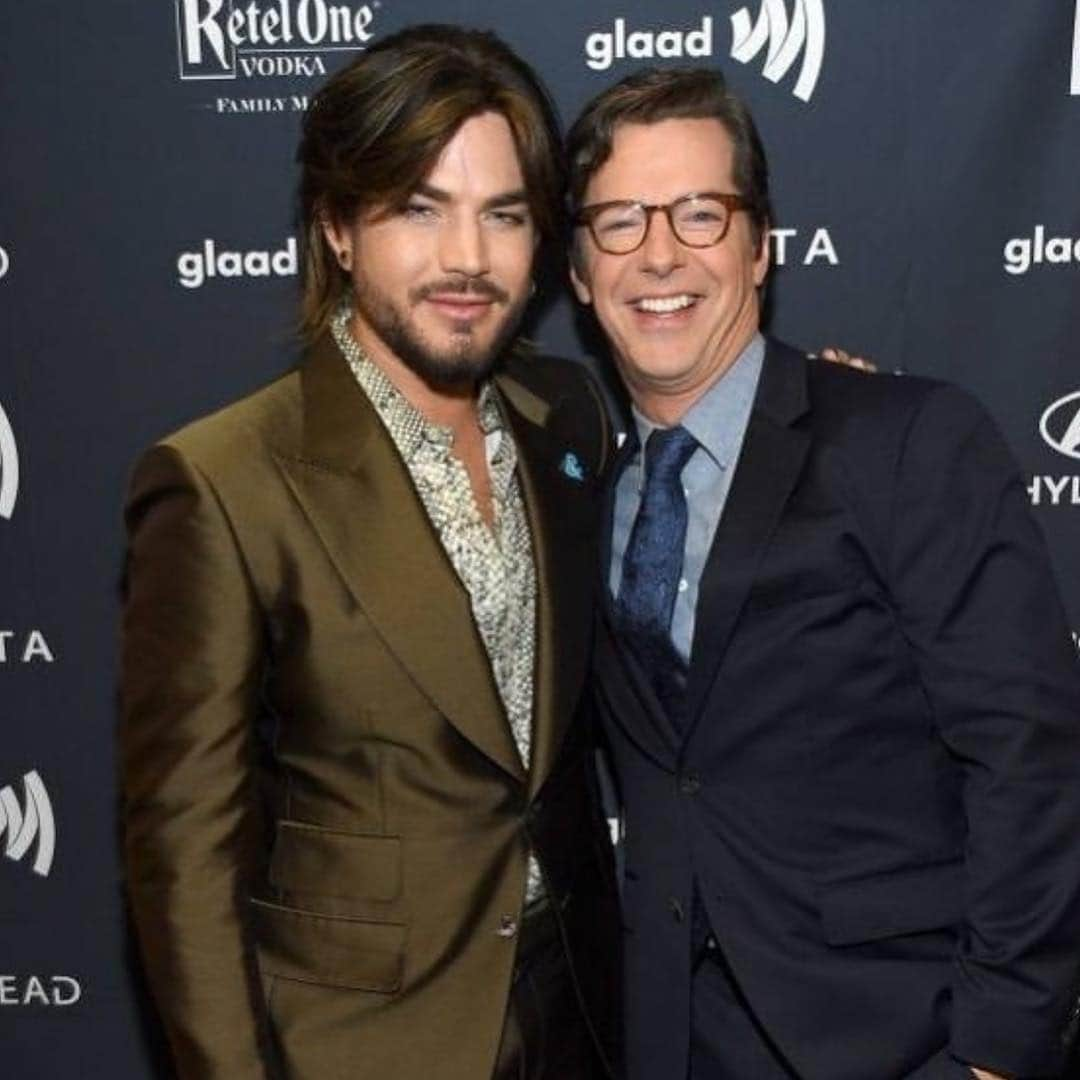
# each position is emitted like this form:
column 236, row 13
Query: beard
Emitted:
column 466, row 361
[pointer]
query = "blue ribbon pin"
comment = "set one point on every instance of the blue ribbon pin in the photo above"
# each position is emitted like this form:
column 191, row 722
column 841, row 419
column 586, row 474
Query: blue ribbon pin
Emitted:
column 572, row 467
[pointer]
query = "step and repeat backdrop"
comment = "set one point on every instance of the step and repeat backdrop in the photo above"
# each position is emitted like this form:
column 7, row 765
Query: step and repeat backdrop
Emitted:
column 925, row 158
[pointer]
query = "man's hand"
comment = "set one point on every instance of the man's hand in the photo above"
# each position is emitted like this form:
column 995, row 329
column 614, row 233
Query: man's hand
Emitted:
column 982, row 1074
column 840, row 356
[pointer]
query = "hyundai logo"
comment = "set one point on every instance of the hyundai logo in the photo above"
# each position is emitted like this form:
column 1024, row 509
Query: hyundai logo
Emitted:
column 1060, row 425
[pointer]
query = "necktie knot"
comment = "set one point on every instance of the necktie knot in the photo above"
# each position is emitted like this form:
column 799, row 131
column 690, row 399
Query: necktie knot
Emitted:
column 666, row 454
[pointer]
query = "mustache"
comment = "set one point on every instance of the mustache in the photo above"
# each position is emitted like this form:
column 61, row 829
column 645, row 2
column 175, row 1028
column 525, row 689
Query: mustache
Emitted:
column 463, row 287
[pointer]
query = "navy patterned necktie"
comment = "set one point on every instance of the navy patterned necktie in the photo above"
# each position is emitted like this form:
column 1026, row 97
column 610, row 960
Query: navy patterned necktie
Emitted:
column 652, row 565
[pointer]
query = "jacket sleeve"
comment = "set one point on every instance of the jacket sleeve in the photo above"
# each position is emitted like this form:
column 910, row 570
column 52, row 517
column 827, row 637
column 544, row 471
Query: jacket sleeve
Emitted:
column 975, row 595
column 191, row 664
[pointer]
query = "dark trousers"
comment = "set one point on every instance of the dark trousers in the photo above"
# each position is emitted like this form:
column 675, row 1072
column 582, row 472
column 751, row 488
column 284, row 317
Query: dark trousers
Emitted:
column 545, row 1035
column 727, row 1042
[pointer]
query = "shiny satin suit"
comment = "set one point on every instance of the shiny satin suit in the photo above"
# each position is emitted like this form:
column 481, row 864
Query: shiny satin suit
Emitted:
column 326, row 818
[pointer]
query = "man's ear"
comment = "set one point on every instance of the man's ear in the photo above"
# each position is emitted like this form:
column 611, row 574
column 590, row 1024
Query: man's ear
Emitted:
column 763, row 257
column 579, row 274
column 332, row 231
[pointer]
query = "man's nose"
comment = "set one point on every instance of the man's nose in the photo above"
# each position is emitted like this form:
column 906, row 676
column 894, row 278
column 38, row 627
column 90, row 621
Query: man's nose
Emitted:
column 463, row 248
column 661, row 251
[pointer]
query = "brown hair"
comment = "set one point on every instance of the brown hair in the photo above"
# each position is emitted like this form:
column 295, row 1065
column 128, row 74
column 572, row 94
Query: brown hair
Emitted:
column 655, row 94
column 377, row 127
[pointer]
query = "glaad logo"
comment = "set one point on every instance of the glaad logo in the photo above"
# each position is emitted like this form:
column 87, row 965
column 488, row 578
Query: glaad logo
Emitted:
column 1060, row 425
column 1024, row 252
column 804, row 33
column 195, row 267
column 33, row 822
column 601, row 48
column 218, row 40
column 784, row 41
column 9, row 467
column 1075, row 88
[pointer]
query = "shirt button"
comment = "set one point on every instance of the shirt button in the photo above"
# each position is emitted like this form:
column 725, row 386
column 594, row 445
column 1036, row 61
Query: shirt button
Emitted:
column 508, row 926
column 683, row 585
column 689, row 783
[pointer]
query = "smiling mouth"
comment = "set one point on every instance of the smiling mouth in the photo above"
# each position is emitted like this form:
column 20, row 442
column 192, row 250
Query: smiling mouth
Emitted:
column 664, row 305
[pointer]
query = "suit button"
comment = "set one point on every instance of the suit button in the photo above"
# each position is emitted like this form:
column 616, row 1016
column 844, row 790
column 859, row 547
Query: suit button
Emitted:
column 508, row 926
column 689, row 783
column 676, row 909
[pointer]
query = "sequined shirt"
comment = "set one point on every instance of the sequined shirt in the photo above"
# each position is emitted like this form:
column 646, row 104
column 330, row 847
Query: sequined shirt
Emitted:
column 495, row 564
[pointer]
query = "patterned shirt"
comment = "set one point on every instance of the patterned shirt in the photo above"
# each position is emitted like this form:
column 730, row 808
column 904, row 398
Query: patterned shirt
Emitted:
column 495, row 564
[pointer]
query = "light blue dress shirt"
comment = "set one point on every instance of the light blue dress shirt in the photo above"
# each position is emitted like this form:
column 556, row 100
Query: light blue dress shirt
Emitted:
column 718, row 422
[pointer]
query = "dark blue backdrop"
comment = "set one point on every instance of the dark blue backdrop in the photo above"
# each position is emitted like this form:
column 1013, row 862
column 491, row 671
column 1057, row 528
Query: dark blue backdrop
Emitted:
column 925, row 156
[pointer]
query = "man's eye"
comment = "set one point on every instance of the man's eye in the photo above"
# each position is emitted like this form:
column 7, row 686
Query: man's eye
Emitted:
column 415, row 211
column 618, row 224
column 508, row 218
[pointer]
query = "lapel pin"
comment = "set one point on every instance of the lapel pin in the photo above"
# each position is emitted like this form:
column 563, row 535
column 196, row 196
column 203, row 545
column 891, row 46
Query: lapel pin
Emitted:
column 572, row 467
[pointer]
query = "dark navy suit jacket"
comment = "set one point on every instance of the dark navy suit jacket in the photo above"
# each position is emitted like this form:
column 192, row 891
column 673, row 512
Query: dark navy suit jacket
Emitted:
column 877, row 796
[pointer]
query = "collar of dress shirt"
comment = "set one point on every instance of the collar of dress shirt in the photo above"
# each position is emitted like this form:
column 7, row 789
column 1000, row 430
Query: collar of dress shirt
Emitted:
column 718, row 419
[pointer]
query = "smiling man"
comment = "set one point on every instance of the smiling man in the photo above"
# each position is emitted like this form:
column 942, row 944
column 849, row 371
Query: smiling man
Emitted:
column 360, row 826
column 833, row 668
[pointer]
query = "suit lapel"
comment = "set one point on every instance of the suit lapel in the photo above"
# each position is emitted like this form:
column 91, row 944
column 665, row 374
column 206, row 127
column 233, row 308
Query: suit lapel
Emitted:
column 555, row 505
column 772, row 457
column 618, row 464
column 359, row 498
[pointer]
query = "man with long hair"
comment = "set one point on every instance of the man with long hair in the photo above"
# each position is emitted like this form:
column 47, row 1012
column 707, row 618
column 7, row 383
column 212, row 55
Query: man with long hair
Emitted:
column 361, row 831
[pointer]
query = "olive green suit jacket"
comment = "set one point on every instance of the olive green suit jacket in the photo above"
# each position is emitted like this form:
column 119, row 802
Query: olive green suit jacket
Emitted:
column 326, row 816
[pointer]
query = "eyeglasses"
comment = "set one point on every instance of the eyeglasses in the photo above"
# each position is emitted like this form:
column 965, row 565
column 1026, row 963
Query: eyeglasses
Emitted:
column 698, row 220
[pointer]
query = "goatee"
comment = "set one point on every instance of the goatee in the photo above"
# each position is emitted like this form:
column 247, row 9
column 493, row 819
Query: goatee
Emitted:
column 465, row 362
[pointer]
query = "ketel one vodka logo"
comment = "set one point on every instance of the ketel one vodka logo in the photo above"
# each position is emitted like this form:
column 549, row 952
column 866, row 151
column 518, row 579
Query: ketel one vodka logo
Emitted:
column 22, row 826
column 229, row 39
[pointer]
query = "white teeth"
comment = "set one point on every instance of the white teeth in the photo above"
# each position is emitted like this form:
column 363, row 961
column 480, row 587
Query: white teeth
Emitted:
column 662, row 304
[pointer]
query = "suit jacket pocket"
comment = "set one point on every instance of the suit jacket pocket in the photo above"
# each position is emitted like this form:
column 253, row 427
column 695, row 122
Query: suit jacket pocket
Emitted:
column 331, row 950
column 907, row 901
column 316, row 861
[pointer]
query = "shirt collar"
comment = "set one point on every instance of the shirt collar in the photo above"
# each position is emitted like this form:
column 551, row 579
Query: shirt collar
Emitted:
column 408, row 427
column 718, row 419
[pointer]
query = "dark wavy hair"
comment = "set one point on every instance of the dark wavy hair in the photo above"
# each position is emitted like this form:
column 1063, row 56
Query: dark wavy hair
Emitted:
column 377, row 127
